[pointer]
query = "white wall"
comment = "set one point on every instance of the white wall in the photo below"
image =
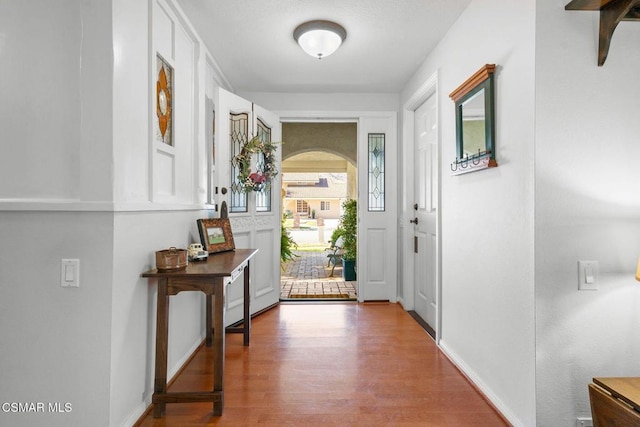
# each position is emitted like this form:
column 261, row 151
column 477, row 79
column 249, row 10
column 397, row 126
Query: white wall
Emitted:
column 587, row 208
column 132, row 101
column 324, row 101
column 55, row 116
column 137, row 235
column 160, row 192
column 55, row 341
column 487, row 216
column 55, row 112
column 75, row 183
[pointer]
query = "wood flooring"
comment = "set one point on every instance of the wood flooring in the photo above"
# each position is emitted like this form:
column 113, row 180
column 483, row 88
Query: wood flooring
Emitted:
column 342, row 364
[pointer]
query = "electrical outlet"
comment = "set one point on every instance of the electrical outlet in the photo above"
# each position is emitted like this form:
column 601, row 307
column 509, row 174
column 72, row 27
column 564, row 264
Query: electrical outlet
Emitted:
column 584, row 422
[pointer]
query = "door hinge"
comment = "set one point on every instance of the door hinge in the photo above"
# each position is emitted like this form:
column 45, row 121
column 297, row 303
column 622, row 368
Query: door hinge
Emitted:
column 415, row 244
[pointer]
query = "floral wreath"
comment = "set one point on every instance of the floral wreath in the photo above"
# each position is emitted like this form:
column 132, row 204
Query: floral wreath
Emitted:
column 260, row 179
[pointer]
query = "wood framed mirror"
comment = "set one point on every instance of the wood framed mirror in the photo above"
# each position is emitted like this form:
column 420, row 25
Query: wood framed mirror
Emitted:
column 475, row 122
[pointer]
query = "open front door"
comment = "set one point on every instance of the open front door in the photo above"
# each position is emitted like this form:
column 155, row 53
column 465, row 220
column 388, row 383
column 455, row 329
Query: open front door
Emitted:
column 377, row 208
column 254, row 216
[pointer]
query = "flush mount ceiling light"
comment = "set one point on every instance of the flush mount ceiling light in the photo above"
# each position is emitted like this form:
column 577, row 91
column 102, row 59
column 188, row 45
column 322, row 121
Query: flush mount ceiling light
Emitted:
column 319, row 38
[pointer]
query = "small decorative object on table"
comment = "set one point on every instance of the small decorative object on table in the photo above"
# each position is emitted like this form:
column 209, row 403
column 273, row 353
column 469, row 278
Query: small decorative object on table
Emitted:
column 197, row 252
column 171, row 259
column 216, row 235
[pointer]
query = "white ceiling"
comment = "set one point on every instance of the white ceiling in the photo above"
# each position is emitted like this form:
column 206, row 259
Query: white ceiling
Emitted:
column 387, row 40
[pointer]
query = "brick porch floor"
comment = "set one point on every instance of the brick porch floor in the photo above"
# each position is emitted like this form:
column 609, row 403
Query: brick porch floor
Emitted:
column 308, row 274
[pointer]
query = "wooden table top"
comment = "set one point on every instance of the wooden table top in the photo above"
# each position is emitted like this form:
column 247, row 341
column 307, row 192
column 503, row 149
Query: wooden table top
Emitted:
column 624, row 388
column 220, row 264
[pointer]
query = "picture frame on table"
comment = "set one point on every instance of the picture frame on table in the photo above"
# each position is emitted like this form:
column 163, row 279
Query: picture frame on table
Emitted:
column 216, row 235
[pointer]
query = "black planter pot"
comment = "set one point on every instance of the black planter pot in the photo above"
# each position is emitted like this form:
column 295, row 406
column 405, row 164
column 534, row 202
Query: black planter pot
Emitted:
column 348, row 270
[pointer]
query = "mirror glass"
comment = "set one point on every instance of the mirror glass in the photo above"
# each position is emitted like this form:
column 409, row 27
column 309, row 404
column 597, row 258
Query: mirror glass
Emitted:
column 473, row 125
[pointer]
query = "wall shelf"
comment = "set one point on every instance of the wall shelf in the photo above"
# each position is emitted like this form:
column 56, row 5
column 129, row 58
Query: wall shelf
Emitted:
column 611, row 13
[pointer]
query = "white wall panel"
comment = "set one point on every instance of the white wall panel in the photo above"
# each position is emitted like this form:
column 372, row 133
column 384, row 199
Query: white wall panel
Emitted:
column 185, row 119
column 431, row 268
column 262, row 276
column 163, row 30
column 132, row 95
column 164, row 168
column 174, row 41
column 377, row 255
column 55, row 113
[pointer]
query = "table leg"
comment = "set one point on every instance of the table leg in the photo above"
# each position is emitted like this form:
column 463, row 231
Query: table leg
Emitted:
column 162, row 332
column 218, row 344
column 209, row 319
column 247, row 305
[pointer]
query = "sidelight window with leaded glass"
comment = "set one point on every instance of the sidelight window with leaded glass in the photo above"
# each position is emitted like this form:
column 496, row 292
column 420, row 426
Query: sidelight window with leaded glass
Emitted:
column 376, row 172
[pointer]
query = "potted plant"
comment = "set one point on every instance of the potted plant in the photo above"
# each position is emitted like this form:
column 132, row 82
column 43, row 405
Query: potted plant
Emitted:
column 287, row 245
column 349, row 233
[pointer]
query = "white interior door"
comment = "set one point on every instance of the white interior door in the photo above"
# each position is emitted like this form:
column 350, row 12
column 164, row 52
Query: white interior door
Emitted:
column 425, row 247
column 254, row 216
column 377, row 208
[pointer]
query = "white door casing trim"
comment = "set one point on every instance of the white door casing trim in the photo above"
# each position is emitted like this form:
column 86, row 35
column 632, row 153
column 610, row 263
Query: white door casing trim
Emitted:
column 324, row 116
column 427, row 89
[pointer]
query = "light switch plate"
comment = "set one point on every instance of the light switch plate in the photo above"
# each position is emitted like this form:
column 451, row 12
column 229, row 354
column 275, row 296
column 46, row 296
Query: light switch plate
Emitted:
column 588, row 275
column 70, row 273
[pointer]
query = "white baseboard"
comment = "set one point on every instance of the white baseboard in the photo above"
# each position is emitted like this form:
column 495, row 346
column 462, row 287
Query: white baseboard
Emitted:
column 142, row 407
column 481, row 385
column 137, row 413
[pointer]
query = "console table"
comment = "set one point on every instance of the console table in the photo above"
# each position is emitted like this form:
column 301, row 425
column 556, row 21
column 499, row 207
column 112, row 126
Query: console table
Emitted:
column 615, row 401
column 211, row 277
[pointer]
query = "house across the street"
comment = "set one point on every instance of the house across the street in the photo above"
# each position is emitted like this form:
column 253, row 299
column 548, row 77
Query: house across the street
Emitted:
column 314, row 195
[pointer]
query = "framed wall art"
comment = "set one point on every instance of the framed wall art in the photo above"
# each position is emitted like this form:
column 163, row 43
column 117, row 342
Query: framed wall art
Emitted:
column 164, row 101
column 216, row 235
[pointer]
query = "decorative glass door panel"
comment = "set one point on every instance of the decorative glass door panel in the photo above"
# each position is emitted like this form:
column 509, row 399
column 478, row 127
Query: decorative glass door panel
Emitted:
column 238, row 137
column 263, row 197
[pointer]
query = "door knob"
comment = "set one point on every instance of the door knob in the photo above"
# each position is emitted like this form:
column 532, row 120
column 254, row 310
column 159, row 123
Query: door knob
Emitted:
column 414, row 221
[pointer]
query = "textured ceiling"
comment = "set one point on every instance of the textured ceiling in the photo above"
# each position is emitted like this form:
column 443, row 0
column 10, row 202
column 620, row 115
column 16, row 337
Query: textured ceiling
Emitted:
column 387, row 40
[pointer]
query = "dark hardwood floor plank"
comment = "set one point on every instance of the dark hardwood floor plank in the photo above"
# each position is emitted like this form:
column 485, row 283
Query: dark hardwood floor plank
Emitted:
column 332, row 365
